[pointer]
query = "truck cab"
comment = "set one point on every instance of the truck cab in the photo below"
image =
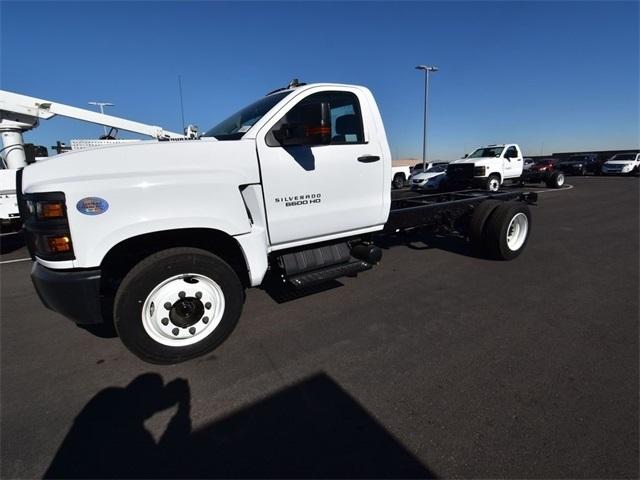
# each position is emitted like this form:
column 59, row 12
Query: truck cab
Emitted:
column 487, row 167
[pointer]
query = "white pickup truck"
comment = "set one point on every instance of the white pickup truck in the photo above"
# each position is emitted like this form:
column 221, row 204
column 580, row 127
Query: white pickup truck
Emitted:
column 162, row 237
column 487, row 167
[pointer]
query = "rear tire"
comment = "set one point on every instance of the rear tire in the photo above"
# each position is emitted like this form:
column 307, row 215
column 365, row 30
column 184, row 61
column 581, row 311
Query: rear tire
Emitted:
column 493, row 183
column 555, row 180
column 398, row 180
column 478, row 221
column 177, row 304
column 507, row 231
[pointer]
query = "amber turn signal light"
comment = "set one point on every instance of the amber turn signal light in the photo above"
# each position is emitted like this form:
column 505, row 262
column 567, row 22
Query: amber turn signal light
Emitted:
column 59, row 244
column 50, row 210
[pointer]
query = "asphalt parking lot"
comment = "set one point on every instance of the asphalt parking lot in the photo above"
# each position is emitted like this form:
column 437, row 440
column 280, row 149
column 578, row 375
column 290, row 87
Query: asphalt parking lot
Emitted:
column 435, row 363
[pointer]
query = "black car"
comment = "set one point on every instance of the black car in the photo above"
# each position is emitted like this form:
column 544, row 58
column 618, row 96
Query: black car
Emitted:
column 580, row 164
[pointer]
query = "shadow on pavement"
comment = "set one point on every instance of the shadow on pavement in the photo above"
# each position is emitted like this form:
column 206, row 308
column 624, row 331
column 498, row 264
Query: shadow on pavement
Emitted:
column 311, row 429
column 423, row 240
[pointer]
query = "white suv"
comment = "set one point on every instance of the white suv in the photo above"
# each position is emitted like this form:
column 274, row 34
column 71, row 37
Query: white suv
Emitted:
column 622, row 163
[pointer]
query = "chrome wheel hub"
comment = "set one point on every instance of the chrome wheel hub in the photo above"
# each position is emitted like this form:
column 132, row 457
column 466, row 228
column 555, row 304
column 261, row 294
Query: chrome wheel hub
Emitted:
column 183, row 310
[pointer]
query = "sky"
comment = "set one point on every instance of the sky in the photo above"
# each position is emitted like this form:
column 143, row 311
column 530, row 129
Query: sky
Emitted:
column 551, row 76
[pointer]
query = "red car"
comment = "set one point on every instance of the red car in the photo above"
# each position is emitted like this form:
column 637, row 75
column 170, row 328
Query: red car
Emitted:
column 544, row 170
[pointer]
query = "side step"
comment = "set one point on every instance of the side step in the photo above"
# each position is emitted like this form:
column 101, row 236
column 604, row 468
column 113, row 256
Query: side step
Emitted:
column 314, row 277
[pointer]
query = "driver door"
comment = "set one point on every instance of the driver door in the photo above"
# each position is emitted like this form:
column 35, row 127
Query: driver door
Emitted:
column 513, row 163
column 315, row 191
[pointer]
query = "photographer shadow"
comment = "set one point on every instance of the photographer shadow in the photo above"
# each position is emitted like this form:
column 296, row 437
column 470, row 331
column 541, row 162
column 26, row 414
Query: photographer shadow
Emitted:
column 108, row 439
column 313, row 429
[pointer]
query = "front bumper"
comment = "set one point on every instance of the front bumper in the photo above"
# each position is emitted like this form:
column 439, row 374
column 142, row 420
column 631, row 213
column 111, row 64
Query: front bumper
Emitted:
column 74, row 294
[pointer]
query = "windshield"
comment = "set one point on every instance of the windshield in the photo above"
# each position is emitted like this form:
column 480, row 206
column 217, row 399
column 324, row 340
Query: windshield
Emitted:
column 487, row 152
column 624, row 156
column 438, row 168
column 234, row 127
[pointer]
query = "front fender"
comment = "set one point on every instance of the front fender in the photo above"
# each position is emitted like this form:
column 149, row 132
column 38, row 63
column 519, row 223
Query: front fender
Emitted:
column 210, row 201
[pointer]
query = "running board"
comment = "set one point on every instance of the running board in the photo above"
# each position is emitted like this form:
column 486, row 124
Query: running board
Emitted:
column 328, row 273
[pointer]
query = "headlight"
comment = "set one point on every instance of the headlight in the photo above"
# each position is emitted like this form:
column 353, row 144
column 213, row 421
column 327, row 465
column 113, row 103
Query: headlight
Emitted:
column 50, row 209
column 46, row 227
column 479, row 171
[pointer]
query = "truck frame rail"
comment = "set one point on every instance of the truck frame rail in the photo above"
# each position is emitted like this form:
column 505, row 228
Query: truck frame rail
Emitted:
column 443, row 209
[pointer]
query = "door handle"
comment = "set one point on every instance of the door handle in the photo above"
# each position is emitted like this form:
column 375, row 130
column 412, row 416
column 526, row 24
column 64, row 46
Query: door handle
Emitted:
column 368, row 158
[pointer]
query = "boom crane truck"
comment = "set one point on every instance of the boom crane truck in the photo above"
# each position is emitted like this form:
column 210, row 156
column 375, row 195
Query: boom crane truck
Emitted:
column 162, row 237
column 21, row 113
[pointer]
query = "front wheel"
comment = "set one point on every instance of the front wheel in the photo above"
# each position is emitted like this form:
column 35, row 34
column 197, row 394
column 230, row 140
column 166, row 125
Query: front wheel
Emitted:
column 177, row 304
column 493, row 183
column 398, row 180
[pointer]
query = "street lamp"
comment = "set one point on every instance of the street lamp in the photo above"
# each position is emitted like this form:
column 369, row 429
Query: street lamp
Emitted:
column 427, row 69
column 101, row 105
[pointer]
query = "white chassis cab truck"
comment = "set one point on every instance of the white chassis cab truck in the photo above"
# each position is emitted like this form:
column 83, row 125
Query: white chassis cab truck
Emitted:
column 162, row 237
column 487, row 167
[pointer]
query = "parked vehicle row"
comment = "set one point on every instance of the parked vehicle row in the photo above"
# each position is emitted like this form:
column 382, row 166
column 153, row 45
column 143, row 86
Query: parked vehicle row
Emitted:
column 492, row 166
column 488, row 168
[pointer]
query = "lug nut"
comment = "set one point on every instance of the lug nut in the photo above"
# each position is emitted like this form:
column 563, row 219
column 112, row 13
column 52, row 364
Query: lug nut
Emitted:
column 175, row 331
column 198, row 295
column 167, row 305
column 192, row 330
column 207, row 305
column 182, row 294
column 205, row 319
column 165, row 321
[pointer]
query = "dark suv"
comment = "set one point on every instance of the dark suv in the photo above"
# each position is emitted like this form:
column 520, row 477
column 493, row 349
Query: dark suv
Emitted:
column 580, row 164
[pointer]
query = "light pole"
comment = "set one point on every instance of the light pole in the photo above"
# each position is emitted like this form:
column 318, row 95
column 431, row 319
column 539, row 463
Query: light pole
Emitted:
column 101, row 105
column 427, row 69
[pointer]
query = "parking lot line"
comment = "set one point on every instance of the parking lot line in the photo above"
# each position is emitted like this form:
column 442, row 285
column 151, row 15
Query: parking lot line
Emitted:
column 16, row 260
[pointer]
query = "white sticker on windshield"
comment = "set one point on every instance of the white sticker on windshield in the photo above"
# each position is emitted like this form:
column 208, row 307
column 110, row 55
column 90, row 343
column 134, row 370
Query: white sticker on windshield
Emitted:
column 244, row 128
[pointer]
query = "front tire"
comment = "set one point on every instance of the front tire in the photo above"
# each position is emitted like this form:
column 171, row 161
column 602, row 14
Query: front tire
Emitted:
column 177, row 304
column 493, row 183
column 398, row 180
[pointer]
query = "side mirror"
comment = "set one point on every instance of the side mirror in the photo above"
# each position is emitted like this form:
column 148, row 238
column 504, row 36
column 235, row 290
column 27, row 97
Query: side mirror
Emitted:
column 311, row 127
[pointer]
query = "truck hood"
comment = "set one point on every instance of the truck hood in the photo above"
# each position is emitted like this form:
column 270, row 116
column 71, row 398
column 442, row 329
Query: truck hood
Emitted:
column 621, row 162
column 476, row 161
column 144, row 161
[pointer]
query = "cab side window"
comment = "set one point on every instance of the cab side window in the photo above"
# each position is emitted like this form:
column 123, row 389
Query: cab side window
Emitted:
column 511, row 153
column 346, row 117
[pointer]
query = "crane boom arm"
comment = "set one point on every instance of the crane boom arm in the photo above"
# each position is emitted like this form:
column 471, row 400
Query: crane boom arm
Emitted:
column 27, row 111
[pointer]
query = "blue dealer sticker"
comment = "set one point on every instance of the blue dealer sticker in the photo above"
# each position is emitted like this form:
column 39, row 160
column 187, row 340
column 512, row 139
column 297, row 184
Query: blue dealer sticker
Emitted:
column 92, row 205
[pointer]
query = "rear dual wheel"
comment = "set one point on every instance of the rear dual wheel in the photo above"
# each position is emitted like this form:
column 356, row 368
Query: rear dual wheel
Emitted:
column 177, row 304
column 500, row 229
column 555, row 180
